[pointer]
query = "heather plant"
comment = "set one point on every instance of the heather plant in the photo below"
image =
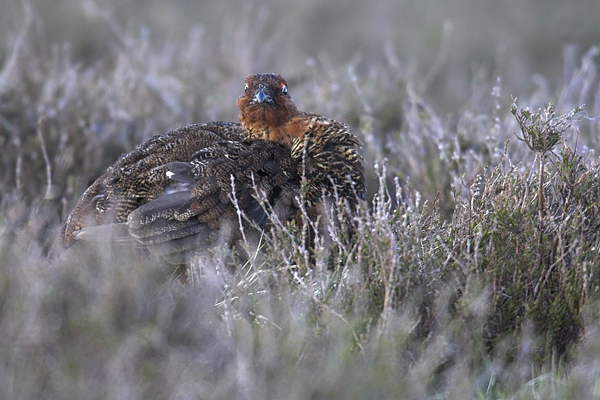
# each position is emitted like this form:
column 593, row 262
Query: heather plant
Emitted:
column 529, row 236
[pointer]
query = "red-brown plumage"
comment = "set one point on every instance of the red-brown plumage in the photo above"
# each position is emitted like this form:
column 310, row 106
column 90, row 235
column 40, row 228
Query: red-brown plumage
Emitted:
column 268, row 117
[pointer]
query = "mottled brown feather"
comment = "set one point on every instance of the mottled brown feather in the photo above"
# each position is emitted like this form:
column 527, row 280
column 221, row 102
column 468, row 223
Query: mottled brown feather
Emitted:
column 137, row 178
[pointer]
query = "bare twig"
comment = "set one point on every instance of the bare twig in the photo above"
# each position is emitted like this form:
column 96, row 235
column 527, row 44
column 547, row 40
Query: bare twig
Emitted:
column 48, row 194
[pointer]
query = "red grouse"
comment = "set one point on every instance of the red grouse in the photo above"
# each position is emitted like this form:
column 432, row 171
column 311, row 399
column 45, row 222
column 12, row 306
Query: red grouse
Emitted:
column 184, row 190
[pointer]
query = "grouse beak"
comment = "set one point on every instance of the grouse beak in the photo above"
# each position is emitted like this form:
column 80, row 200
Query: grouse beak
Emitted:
column 262, row 97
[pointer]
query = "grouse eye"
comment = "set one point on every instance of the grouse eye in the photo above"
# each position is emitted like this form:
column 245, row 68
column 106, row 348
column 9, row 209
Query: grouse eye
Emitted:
column 246, row 88
column 283, row 89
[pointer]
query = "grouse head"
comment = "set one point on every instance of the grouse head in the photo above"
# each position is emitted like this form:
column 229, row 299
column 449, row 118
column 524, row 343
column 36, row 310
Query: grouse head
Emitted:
column 266, row 107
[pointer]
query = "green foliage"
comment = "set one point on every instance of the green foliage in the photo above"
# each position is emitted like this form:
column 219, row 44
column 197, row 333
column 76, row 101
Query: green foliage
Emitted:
column 543, row 130
column 537, row 271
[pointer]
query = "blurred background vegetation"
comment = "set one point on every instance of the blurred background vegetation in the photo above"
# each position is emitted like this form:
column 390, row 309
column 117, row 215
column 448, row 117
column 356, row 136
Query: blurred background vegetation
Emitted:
column 526, row 43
